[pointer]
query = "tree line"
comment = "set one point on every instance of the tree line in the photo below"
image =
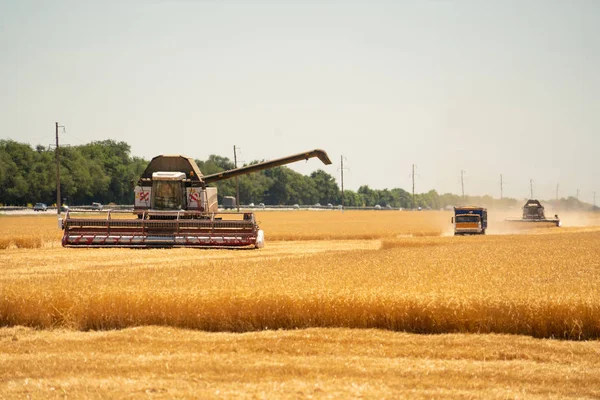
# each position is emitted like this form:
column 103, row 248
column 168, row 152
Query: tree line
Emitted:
column 106, row 172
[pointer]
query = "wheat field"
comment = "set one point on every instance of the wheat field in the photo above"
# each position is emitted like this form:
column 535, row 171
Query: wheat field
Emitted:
column 398, row 275
column 326, row 282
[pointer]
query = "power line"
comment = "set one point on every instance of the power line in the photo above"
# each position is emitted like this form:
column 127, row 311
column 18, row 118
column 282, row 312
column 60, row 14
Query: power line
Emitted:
column 73, row 136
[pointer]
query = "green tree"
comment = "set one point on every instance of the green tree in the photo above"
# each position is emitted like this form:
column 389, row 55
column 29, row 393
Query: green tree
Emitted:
column 327, row 188
column 353, row 199
column 16, row 161
column 278, row 192
column 370, row 197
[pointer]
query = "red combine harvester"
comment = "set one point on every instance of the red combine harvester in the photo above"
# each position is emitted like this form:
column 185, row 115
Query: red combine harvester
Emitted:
column 174, row 207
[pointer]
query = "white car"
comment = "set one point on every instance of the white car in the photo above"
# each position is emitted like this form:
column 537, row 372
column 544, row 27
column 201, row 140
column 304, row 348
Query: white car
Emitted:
column 40, row 207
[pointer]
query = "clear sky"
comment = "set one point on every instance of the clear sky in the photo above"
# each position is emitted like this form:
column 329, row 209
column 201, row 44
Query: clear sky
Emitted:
column 488, row 87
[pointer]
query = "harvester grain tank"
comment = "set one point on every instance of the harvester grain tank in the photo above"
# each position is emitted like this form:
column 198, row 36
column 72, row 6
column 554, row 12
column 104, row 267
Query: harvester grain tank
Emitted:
column 175, row 208
column 533, row 212
column 469, row 220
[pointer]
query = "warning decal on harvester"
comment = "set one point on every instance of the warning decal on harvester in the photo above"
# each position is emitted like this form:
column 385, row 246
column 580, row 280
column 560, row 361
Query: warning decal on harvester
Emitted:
column 142, row 196
column 194, row 198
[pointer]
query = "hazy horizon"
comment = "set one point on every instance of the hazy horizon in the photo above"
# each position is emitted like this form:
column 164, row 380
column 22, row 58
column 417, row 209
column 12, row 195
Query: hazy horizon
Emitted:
column 490, row 88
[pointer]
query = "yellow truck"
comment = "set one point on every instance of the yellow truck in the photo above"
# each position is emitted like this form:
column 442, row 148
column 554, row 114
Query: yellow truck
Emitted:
column 469, row 220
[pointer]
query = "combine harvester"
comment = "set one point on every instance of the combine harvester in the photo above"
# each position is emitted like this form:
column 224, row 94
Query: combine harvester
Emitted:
column 533, row 212
column 174, row 207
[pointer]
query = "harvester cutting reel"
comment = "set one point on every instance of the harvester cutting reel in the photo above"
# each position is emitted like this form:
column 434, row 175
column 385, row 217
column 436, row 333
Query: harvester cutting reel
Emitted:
column 159, row 229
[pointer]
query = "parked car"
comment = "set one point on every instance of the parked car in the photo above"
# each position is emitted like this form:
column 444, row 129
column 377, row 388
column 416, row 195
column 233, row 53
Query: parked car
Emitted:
column 40, row 207
column 96, row 206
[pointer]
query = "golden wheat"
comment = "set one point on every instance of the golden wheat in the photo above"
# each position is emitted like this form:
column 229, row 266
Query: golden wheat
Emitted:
column 165, row 362
column 5, row 242
column 402, row 278
column 27, row 242
column 538, row 285
column 359, row 225
column 29, row 231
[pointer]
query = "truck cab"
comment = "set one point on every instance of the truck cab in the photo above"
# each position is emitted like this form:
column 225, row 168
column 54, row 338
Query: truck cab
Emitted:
column 469, row 220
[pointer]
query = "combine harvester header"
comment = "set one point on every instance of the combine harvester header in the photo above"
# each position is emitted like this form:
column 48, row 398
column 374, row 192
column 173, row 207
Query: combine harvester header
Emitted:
column 175, row 208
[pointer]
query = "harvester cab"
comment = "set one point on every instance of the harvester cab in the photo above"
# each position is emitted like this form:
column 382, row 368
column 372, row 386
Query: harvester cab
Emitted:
column 533, row 209
column 173, row 183
column 175, row 208
column 168, row 189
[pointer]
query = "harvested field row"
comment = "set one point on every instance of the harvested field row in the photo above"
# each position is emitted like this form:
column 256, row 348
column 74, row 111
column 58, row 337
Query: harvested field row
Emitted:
column 164, row 362
column 41, row 230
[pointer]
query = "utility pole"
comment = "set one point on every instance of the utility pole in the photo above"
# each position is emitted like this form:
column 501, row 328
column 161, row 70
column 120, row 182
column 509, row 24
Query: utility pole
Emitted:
column 594, row 200
column 531, row 188
column 577, row 194
column 557, row 192
column 57, row 154
column 237, row 182
column 501, row 194
column 342, row 172
column 413, row 186
column 342, row 181
column 462, row 182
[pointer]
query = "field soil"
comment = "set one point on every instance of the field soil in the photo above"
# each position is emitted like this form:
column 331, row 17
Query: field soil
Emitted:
column 382, row 304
